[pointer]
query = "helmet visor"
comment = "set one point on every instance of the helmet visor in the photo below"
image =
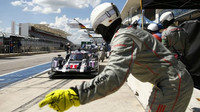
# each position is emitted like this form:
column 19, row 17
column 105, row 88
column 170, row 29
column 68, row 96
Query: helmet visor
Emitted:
column 107, row 14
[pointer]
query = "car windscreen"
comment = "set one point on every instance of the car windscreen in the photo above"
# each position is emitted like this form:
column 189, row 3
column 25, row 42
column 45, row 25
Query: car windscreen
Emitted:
column 77, row 56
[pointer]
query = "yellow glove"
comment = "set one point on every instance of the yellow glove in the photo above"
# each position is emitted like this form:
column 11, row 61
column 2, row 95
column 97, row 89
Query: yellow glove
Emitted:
column 61, row 100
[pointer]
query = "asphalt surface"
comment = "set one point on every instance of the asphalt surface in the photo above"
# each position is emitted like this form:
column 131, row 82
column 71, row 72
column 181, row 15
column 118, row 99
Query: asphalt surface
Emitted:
column 15, row 63
column 13, row 77
column 24, row 95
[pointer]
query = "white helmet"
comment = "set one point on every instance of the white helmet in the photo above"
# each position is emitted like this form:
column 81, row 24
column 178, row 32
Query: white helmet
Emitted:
column 166, row 16
column 153, row 27
column 105, row 14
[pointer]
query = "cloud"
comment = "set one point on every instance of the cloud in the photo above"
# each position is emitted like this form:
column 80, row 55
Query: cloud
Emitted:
column 16, row 3
column 53, row 6
column 22, row 3
column 61, row 23
column 7, row 29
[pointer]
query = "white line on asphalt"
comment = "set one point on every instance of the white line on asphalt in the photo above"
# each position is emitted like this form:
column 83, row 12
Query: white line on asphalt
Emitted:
column 24, row 59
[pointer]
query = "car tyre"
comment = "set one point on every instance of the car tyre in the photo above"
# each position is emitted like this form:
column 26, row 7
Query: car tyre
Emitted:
column 51, row 74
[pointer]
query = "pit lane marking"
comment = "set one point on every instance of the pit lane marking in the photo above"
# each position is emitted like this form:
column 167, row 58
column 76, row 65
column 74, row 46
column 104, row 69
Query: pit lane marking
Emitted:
column 38, row 98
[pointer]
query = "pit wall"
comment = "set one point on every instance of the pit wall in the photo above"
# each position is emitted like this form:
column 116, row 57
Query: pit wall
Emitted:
column 142, row 92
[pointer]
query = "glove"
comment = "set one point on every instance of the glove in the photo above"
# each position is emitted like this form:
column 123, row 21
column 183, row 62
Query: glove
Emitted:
column 61, row 100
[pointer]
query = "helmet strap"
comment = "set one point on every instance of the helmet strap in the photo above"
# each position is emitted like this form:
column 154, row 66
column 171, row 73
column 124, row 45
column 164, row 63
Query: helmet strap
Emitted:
column 108, row 32
column 115, row 9
column 167, row 23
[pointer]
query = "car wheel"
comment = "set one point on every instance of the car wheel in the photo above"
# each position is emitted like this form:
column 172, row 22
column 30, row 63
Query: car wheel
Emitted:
column 51, row 74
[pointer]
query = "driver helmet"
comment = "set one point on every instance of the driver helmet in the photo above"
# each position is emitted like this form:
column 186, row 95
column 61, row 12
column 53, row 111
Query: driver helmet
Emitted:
column 167, row 16
column 104, row 14
column 153, row 27
column 166, row 19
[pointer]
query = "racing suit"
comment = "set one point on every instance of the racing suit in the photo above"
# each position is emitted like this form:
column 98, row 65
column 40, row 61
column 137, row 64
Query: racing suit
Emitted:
column 176, row 40
column 102, row 54
column 136, row 52
column 157, row 35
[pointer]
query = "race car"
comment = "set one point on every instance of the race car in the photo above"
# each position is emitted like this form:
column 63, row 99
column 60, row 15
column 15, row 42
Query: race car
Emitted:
column 76, row 62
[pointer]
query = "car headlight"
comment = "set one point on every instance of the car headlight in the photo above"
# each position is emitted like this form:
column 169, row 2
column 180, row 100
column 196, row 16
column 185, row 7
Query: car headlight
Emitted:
column 92, row 64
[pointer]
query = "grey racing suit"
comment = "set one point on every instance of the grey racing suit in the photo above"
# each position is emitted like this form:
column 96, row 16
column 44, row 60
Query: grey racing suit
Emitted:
column 176, row 40
column 136, row 52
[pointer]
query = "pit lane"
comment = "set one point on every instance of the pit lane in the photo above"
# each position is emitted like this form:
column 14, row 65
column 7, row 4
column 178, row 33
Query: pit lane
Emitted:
column 24, row 95
column 13, row 77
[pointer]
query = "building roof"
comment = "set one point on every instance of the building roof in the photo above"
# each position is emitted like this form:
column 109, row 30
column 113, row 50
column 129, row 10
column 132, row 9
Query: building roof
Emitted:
column 192, row 14
column 55, row 31
column 130, row 6
column 170, row 4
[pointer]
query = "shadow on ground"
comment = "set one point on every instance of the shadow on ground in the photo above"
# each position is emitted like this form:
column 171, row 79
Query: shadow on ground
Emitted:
column 196, row 109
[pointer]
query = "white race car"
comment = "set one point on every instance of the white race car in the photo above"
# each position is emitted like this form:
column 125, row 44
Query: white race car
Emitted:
column 76, row 62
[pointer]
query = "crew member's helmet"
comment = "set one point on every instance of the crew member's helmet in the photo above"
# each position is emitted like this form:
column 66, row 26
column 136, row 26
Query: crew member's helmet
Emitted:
column 153, row 27
column 104, row 14
column 166, row 19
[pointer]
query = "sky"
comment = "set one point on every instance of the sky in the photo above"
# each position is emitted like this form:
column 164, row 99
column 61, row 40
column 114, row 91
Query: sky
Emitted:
column 56, row 13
